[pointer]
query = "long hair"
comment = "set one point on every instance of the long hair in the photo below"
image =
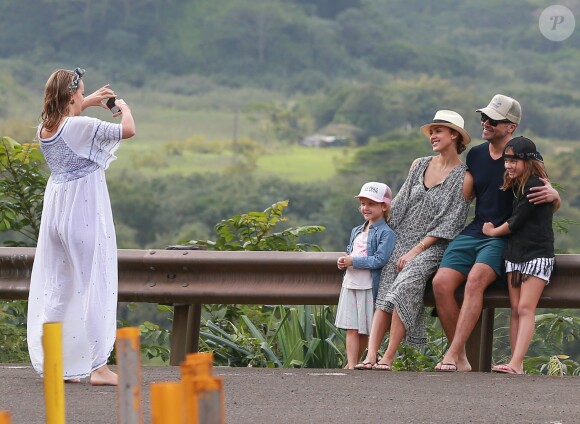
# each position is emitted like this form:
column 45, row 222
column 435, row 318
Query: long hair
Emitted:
column 531, row 167
column 57, row 98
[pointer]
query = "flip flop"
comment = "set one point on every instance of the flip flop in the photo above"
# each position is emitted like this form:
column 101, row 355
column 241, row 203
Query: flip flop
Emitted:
column 505, row 369
column 381, row 367
column 364, row 366
column 447, row 364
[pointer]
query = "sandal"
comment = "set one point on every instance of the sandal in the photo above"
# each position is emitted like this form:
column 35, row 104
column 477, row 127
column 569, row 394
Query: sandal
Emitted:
column 505, row 369
column 381, row 367
column 450, row 367
column 364, row 366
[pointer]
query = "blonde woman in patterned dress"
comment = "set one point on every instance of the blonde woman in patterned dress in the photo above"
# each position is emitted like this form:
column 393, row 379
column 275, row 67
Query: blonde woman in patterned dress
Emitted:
column 427, row 213
column 74, row 276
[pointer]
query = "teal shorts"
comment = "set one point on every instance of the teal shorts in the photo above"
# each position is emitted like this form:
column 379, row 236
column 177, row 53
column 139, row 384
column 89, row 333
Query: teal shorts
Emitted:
column 465, row 251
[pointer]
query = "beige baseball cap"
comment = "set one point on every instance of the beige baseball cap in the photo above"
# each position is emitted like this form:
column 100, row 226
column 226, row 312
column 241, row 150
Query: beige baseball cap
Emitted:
column 503, row 107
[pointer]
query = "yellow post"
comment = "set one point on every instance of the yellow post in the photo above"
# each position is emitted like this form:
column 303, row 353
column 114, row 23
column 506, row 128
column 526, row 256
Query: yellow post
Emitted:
column 53, row 373
column 5, row 417
column 129, row 370
column 166, row 403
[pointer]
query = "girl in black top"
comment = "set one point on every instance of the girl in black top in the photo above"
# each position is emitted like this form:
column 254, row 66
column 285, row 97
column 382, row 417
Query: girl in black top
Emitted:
column 529, row 256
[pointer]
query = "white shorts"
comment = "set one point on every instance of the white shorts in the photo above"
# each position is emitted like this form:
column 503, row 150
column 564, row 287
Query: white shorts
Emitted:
column 541, row 268
column 355, row 310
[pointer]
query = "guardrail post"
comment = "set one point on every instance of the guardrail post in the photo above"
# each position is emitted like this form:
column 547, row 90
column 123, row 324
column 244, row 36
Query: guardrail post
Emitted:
column 193, row 328
column 185, row 331
column 486, row 347
column 480, row 343
column 179, row 333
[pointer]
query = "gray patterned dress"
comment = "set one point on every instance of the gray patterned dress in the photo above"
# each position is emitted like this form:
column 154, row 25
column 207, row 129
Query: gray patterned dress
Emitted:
column 418, row 212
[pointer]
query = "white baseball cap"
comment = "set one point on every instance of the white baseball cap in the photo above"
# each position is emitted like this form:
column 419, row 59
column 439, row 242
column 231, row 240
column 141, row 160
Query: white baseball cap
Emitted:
column 377, row 192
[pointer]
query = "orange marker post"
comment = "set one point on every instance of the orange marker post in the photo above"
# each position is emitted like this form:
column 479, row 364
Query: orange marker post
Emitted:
column 199, row 364
column 166, row 403
column 189, row 398
column 196, row 365
column 203, row 400
column 53, row 373
column 210, row 400
column 5, row 417
column 129, row 391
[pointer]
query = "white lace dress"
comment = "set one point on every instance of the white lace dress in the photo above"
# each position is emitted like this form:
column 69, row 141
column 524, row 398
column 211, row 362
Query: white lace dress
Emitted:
column 74, row 277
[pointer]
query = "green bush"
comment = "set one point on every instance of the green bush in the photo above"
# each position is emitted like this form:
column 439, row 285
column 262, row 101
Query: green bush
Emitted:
column 13, row 347
column 253, row 231
column 22, row 184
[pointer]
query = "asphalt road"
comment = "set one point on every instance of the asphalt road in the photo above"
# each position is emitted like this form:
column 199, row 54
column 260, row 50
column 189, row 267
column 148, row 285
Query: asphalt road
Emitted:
column 254, row 395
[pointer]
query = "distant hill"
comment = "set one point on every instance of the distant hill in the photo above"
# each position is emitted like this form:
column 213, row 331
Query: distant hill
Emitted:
column 307, row 47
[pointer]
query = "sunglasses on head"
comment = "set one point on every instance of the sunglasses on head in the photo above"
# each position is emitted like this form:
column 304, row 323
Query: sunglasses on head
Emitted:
column 77, row 75
column 523, row 156
column 494, row 122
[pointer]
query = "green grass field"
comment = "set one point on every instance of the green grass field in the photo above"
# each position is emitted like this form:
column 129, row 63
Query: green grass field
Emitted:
column 296, row 163
column 186, row 134
column 302, row 164
column 166, row 127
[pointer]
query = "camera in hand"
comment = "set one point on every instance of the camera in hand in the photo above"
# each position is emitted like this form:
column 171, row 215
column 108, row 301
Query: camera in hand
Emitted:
column 112, row 106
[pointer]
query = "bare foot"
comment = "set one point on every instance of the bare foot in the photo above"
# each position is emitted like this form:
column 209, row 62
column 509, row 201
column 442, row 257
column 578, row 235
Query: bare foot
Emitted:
column 72, row 380
column 104, row 377
column 463, row 365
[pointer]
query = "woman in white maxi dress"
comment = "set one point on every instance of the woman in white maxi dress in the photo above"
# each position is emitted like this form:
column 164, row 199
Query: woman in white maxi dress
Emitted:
column 74, row 276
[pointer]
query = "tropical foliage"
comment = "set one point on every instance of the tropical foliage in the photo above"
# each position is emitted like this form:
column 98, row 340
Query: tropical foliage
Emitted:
column 253, row 231
column 13, row 347
column 556, row 335
column 285, row 336
column 22, row 183
column 301, row 336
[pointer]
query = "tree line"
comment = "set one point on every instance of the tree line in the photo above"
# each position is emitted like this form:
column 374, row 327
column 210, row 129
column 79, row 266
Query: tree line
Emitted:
column 391, row 58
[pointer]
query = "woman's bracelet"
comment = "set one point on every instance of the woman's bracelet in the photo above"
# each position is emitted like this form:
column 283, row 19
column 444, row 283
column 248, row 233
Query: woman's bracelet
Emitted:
column 421, row 245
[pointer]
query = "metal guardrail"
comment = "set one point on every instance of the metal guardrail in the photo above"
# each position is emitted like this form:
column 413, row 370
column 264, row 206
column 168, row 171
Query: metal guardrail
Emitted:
column 189, row 278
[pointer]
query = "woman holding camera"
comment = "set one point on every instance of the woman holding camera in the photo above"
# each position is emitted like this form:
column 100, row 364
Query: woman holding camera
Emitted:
column 74, row 276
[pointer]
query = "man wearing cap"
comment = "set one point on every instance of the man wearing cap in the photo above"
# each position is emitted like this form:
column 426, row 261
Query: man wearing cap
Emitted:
column 473, row 257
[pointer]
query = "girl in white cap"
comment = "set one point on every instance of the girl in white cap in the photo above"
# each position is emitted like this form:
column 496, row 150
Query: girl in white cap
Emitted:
column 368, row 251
column 529, row 255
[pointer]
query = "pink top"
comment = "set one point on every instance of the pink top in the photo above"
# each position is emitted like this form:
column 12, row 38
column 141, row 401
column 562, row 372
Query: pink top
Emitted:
column 359, row 279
